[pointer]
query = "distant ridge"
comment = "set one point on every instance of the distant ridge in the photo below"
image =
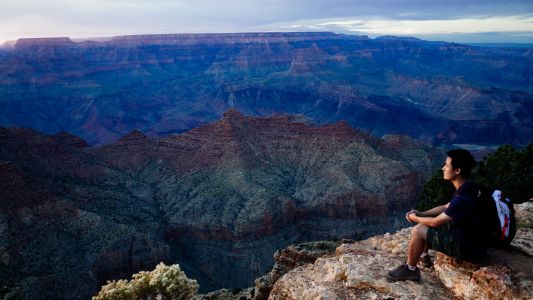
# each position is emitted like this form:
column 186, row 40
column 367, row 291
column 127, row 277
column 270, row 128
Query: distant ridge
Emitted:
column 184, row 38
column 502, row 45
column 243, row 36
column 8, row 44
column 25, row 42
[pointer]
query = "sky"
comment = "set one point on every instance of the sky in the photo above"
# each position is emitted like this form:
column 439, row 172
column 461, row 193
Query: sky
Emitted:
column 463, row 21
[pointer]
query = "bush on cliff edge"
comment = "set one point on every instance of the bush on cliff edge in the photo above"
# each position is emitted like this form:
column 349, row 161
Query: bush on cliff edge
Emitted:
column 165, row 282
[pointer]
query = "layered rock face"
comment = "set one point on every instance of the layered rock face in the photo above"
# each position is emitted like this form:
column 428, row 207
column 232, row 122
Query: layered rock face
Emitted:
column 218, row 200
column 439, row 92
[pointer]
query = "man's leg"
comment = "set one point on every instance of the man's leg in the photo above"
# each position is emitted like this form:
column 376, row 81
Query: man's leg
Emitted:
column 417, row 244
column 425, row 259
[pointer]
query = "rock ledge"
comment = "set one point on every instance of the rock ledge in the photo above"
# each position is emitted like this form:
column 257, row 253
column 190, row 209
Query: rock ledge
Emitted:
column 357, row 271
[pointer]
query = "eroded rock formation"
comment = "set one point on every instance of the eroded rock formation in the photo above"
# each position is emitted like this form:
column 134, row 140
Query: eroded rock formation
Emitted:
column 218, row 198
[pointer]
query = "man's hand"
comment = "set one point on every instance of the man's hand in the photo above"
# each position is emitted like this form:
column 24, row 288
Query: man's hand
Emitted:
column 415, row 217
column 415, row 212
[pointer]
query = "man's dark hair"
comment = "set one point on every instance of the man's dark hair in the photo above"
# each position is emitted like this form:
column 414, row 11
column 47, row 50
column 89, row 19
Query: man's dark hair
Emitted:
column 462, row 159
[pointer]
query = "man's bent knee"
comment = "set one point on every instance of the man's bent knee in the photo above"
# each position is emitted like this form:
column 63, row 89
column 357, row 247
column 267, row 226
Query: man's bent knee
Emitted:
column 420, row 231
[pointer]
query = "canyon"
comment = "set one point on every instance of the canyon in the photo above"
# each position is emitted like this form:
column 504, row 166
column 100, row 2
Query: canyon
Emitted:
column 215, row 151
column 219, row 199
column 441, row 93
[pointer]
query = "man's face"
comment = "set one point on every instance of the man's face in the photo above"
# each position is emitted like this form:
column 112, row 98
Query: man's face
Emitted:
column 448, row 173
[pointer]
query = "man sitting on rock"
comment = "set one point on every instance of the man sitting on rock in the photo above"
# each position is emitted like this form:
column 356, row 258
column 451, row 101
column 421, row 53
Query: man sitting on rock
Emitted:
column 453, row 229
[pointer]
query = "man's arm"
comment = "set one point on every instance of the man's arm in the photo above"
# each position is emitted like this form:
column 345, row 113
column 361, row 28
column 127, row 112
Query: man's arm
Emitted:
column 433, row 212
column 430, row 221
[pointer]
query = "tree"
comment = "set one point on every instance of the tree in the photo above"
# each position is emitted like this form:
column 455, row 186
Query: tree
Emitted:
column 509, row 170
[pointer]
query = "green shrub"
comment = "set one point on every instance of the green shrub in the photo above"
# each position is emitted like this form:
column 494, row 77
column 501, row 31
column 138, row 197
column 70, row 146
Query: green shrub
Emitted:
column 165, row 282
column 508, row 169
column 116, row 290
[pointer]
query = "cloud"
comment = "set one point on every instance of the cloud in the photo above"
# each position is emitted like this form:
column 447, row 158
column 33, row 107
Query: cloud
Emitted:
column 77, row 18
column 413, row 27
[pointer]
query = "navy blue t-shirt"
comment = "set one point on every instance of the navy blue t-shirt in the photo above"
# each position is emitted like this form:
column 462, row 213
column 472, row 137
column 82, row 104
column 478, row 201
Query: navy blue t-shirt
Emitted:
column 464, row 210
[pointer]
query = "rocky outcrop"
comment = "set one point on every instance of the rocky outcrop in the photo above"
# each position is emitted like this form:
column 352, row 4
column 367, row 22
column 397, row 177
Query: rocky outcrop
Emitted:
column 103, row 89
column 358, row 270
column 288, row 259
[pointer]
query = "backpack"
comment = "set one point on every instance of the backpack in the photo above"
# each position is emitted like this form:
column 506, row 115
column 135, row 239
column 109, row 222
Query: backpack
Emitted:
column 498, row 218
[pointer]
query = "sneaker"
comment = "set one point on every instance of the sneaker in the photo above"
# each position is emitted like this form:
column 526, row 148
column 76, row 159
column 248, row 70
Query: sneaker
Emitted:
column 425, row 261
column 403, row 273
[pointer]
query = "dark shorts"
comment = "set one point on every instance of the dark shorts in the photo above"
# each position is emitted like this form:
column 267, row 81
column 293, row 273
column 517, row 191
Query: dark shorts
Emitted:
column 444, row 240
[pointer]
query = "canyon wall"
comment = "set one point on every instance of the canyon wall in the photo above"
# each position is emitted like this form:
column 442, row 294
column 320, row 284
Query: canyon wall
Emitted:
column 218, row 200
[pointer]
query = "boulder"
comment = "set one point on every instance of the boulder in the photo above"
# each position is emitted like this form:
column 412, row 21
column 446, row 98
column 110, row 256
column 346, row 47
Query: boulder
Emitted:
column 524, row 214
column 506, row 274
column 523, row 241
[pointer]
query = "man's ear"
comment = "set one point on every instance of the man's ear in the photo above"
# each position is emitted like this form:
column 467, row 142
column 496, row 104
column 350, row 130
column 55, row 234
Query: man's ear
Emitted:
column 457, row 171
